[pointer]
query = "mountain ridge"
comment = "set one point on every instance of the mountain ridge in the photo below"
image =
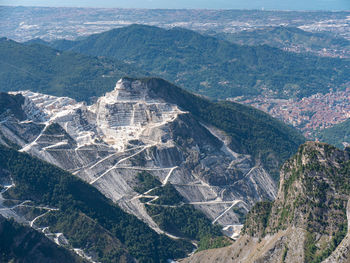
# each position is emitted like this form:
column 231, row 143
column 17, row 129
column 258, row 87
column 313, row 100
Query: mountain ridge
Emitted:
column 213, row 67
column 40, row 68
column 308, row 221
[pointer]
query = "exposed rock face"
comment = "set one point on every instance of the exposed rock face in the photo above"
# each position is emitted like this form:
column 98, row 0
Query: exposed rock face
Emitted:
column 308, row 221
column 127, row 131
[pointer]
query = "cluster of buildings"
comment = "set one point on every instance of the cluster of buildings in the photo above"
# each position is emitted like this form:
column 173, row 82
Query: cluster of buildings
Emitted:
column 308, row 114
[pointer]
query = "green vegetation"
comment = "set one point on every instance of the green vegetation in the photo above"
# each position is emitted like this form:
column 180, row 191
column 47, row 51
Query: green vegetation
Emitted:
column 313, row 196
column 168, row 195
column 12, row 104
column 23, row 244
column 213, row 67
column 313, row 255
column 336, row 135
column 289, row 181
column 257, row 219
column 145, row 182
column 43, row 69
column 241, row 213
column 209, row 242
column 284, row 255
column 85, row 233
column 184, row 221
column 48, row 185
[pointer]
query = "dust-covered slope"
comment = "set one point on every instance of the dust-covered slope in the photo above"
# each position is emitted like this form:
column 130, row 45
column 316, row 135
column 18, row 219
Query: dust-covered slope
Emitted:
column 143, row 127
column 75, row 215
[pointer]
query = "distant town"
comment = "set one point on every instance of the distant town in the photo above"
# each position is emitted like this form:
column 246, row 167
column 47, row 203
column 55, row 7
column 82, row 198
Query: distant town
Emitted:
column 308, row 114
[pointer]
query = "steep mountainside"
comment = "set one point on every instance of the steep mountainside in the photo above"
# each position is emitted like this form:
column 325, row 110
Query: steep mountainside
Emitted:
column 308, row 221
column 43, row 69
column 75, row 215
column 157, row 150
column 213, row 67
column 23, row 244
column 338, row 135
column 291, row 39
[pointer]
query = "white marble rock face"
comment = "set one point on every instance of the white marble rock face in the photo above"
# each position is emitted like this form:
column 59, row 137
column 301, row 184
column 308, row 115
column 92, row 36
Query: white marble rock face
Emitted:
column 127, row 131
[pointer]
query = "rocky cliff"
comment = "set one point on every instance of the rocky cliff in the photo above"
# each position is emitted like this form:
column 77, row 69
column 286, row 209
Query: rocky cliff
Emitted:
column 308, row 221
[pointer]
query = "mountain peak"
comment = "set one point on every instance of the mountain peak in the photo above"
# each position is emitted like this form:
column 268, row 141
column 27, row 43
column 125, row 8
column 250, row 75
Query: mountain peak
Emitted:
column 127, row 89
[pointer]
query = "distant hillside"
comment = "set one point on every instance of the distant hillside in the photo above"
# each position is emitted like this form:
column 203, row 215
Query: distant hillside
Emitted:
column 338, row 135
column 43, row 69
column 212, row 67
column 291, row 39
column 11, row 104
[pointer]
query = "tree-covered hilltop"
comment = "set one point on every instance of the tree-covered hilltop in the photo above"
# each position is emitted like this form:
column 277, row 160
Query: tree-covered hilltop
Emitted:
column 43, row 69
column 213, row 67
column 338, row 135
column 85, row 213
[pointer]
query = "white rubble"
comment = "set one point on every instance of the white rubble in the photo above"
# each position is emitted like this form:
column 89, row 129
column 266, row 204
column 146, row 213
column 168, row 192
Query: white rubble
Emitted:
column 128, row 131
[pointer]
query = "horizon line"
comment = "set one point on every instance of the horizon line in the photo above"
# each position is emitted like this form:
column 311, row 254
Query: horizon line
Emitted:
column 208, row 9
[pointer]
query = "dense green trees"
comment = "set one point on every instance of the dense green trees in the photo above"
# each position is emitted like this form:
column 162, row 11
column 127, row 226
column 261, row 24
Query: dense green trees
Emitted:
column 336, row 135
column 213, row 67
column 43, row 69
column 12, row 104
column 145, row 182
column 184, row 221
column 23, row 244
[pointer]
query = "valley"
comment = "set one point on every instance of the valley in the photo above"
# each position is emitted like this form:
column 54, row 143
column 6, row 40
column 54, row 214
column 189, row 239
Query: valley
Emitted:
column 305, row 91
column 174, row 135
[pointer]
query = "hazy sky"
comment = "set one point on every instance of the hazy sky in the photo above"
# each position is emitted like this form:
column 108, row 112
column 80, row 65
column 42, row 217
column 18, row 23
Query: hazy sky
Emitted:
column 214, row 4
